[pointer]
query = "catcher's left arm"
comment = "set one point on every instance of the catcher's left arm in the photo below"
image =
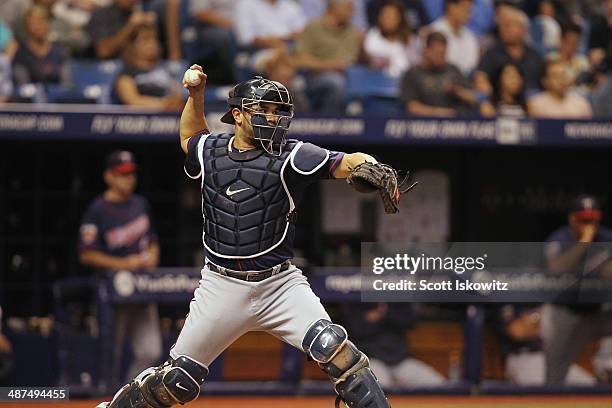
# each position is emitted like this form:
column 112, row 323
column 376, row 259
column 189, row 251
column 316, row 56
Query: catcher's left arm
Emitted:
column 349, row 162
column 367, row 175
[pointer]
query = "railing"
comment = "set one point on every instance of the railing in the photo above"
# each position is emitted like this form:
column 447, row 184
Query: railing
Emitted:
column 114, row 122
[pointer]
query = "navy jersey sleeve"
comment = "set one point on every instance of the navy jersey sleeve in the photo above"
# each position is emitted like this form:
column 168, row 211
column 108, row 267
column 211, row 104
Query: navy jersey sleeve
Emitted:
column 192, row 161
column 604, row 235
column 308, row 164
column 90, row 234
column 556, row 243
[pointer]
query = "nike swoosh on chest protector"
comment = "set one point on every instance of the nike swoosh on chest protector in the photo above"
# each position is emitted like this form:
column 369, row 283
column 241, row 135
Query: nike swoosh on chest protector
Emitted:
column 231, row 193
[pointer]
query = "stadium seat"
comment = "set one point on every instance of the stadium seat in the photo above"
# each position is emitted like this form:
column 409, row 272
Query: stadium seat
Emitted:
column 365, row 82
column 94, row 78
column 216, row 97
column 30, row 93
column 374, row 89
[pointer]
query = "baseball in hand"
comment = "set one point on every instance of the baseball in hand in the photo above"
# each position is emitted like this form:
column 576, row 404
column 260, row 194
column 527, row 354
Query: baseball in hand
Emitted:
column 192, row 77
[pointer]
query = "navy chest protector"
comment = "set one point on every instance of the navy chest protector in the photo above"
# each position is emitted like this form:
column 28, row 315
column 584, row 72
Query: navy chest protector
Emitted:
column 247, row 205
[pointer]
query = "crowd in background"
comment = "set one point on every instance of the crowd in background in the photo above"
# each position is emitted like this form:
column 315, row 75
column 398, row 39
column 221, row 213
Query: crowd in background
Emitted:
column 449, row 58
column 545, row 58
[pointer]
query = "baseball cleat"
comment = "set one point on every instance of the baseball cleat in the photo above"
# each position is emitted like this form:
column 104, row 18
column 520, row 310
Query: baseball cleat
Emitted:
column 103, row 405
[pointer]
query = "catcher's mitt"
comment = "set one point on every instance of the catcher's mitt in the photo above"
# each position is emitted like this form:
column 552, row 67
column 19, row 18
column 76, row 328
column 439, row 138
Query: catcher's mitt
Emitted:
column 368, row 177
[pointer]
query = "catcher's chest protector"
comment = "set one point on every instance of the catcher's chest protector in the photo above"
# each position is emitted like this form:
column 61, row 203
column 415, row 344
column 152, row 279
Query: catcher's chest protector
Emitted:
column 245, row 202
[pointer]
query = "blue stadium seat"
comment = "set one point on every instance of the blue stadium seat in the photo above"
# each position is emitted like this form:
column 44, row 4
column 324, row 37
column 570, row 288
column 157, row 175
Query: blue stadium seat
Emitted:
column 30, row 93
column 364, row 82
column 94, row 77
column 216, row 97
column 88, row 72
column 73, row 94
column 377, row 91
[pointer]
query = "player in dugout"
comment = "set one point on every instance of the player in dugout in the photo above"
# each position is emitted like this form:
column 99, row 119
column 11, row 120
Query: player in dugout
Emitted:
column 582, row 249
column 252, row 181
column 117, row 234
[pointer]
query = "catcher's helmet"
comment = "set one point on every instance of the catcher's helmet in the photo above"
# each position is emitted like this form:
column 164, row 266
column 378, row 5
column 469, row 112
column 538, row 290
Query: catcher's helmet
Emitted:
column 248, row 95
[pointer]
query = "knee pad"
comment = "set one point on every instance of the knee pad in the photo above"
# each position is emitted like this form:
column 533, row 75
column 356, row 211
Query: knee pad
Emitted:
column 328, row 345
column 323, row 340
column 347, row 367
column 176, row 381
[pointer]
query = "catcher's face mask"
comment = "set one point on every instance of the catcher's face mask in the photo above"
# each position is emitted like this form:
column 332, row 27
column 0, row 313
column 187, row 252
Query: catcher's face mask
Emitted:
column 270, row 110
column 270, row 121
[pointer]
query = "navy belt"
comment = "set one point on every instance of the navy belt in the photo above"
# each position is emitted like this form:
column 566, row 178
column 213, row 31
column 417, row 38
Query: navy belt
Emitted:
column 252, row 276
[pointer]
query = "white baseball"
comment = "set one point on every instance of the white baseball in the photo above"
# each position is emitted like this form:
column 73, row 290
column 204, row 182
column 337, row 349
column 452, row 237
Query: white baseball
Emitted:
column 192, row 77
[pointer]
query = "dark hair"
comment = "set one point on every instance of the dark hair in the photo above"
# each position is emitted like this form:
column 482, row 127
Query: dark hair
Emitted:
column 128, row 54
column 435, row 37
column 404, row 29
column 496, row 81
column 449, row 2
column 570, row 27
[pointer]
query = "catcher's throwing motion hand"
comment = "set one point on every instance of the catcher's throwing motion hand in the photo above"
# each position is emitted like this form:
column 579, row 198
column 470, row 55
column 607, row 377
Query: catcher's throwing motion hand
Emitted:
column 252, row 181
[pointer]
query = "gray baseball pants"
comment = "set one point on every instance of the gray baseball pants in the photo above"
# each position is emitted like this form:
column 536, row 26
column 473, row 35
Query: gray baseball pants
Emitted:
column 565, row 333
column 225, row 308
column 140, row 324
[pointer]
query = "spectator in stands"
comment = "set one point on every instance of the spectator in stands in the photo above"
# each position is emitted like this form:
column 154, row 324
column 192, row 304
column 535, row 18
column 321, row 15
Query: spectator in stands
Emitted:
column 391, row 44
column 602, row 95
column 556, row 101
column 381, row 329
column 116, row 234
column 8, row 44
column 508, row 93
column 481, row 16
column 600, row 35
column 68, row 21
column 110, row 27
column 435, row 87
column 38, row 60
column 12, row 13
column 8, row 48
column 173, row 30
column 16, row 18
column 267, row 23
column 143, row 80
column 216, row 42
column 577, row 65
column 545, row 29
column 522, row 348
column 277, row 65
column 463, row 49
column 314, row 9
column 568, row 326
column 510, row 47
column 416, row 13
column 326, row 48
column 69, row 24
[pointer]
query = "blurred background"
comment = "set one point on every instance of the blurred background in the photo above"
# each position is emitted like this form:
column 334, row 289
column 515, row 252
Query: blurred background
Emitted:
column 500, row 108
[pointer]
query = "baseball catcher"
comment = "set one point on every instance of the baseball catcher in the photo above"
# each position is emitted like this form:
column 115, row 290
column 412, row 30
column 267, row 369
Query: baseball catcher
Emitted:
column 252, row 181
